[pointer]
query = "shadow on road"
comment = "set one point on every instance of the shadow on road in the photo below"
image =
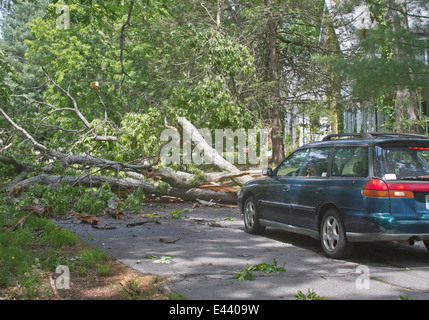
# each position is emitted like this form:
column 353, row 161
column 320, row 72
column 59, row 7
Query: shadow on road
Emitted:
column 208, row 246
column 400, row 255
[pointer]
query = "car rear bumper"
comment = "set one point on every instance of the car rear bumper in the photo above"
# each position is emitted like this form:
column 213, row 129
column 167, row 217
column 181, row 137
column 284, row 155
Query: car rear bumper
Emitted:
column 384, row 227
column 372, row 237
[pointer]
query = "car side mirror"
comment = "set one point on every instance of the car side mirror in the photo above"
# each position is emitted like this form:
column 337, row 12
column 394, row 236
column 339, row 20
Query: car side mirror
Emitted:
column 267, row 172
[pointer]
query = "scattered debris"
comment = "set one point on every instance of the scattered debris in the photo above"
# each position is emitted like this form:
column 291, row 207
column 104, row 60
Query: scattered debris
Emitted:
column 32, row 209
column 104, row 227
column 14, row 191
column 212, row 203
column 53, row 286
column 112, row 209
column 164, row 259
column 207, row 203
column 86, row 218
column 129, row 286
column 139, row 223
column 118, row 215
column 20, row 223
column 215, row 224
column 168, row 241
column 38, row 209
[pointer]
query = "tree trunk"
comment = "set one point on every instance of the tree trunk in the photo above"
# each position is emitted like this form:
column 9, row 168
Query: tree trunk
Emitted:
column 406, row 102
column 180, row 185
column 210, row 155
column 131, row 185
column 277, row 132
column 406, row 108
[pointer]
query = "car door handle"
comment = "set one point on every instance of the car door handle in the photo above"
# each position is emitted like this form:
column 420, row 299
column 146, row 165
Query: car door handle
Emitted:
column 319, row 190
column 286, row 188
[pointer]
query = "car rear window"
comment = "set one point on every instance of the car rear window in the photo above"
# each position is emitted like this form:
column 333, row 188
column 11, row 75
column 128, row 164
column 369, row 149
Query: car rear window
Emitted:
column 401, row 162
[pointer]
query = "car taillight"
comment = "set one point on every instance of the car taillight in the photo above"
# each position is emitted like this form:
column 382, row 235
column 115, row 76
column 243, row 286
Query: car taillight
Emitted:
column 380, row 189
column 376, row 188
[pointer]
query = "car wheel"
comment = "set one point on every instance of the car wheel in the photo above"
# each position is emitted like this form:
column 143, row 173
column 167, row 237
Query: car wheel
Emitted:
column 251, row 217
column 333, row 236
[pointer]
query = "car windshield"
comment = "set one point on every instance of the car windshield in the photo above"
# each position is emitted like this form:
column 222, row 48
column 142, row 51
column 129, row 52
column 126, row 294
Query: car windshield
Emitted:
column 401, row 163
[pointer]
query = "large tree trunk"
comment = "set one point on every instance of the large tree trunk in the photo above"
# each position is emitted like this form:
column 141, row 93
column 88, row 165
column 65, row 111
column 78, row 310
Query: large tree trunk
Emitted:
column 131, row 185
column 277, row 132
column 406, row 108
column 180, row 185
column 406, row 102
column 210, row 154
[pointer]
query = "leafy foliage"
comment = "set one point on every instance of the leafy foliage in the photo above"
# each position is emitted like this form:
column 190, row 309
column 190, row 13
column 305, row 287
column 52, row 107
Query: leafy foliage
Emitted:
column 247, row 273
column 123, row 70
column 310, row 295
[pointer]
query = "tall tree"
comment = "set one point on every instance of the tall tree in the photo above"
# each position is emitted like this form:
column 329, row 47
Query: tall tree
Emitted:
column 384, row 62
column 406, row 101
column 277, row 114
column 282, row 36
column 15, row 32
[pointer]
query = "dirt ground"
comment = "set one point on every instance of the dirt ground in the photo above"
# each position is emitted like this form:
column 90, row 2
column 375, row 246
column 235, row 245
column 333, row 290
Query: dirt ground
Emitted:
column 122, row 283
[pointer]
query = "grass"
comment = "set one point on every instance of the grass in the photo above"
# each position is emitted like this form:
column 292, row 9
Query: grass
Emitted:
column 34, row 259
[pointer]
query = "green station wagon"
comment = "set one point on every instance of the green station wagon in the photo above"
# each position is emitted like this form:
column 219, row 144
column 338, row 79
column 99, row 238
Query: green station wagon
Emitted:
column 344, row 189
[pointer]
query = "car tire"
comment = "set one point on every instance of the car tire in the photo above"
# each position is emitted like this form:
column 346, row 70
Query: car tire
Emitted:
column 251, row 217
column 426, row 243
column 333, row 236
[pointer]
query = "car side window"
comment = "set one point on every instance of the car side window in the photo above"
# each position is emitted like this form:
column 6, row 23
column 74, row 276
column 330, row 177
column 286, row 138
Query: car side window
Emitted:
column 292, row 165
column 316, row 164
column 350, row 162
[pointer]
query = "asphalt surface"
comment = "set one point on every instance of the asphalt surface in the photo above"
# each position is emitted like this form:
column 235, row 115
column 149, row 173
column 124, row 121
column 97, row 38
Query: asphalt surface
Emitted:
column 203, row 251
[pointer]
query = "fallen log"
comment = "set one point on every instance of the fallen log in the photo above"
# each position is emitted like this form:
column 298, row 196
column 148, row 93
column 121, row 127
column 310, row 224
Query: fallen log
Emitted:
column 20, row 223
column 210, row 155
column 123, row 184
column 130, row 185
column 169, row 176
column 218, row 188
column 86, row 218
column 182, row 179
column 67, row 160
column 180, row 183
column 90, row 161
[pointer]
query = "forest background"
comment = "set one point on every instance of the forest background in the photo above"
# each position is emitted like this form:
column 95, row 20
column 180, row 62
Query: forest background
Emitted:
column 87, row 87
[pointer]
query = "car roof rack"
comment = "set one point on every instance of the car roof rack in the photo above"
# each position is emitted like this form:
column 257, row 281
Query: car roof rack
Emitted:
column 342, row 135
column 398, row 135
column 373, row 135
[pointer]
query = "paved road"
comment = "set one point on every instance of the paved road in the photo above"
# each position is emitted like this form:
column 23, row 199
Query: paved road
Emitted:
column 205, row 249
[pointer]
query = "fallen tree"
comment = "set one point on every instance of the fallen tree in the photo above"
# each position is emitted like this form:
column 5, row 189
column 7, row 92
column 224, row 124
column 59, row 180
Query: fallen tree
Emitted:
column 92, row 171
column 129, row 185
column 181, row 184
column 210, row 154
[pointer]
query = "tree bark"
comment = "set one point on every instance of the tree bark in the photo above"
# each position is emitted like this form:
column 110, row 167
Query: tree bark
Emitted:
column 131, row 185
column 406, row 102
column 277, row 132
column 179, row 183
column 210, row 154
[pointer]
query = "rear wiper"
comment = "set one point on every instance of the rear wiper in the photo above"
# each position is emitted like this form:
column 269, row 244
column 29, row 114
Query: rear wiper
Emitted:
column 416, row 178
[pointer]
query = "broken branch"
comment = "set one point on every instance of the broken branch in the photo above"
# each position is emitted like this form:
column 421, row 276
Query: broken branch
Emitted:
column 22, row 130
